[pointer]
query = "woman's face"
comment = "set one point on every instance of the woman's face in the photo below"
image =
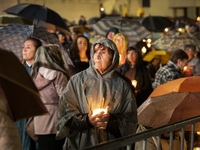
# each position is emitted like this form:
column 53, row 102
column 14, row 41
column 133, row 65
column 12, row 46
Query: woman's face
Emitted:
column 82, row 44
column 111, row 35
column 29, row 50
column 132, row 56
column 119, row 41
column 102, row 58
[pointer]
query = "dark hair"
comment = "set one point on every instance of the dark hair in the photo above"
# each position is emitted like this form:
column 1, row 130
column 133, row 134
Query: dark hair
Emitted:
column 178, row 54
column 110, row 51
column 192, row 46
column 139, row 55
column 74, row 52
column 37, row 41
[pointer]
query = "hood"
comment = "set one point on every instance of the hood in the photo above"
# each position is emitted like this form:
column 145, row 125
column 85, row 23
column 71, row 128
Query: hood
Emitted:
column 126, row 65
column 51, row 57
column 113, row 29
column 115, row 62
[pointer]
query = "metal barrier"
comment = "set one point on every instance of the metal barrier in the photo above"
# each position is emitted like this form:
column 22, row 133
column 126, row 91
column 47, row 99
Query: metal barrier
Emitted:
column 127, row 141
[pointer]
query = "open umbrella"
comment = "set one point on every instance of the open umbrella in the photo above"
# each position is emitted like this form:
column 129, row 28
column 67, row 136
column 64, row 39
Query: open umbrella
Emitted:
column 21, row 93
column 164, row 56
column 8, row 18
column 157, row 23
column 80, row 29
column 40, row 13
column 14, row 35
column 172, row 42
column 132, row 29
column 171, row 102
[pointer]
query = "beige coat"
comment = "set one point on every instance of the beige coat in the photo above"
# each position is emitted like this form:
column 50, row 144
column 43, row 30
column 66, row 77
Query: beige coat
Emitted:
column 50, row 89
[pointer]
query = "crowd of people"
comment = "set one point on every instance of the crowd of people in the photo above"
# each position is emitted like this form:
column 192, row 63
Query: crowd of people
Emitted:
column 101, row 77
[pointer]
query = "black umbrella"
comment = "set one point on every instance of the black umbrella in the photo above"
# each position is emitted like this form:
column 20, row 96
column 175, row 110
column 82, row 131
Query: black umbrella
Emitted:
column 157, row 23
column 20, row 91
column 38, row 12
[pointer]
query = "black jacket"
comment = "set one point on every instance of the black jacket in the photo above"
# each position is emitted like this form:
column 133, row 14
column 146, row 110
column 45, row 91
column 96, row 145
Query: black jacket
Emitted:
column 144, row 86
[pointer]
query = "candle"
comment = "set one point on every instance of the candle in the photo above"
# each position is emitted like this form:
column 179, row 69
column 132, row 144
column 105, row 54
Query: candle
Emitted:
column 134, row 83
column 185, row 68
column 97, row 111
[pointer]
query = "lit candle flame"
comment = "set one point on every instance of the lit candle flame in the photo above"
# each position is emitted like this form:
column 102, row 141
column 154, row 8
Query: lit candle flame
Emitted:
column 144, row 50
column 97, row 111
column 166, row 29
column 134, row 83
column 143, row 40
column 179, row 29
column 185, row 68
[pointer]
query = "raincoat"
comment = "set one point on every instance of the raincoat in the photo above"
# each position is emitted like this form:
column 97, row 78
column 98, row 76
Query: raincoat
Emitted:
column 88, row 90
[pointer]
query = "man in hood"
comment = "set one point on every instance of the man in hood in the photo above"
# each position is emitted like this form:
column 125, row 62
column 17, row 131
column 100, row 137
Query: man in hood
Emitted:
column 98, row 87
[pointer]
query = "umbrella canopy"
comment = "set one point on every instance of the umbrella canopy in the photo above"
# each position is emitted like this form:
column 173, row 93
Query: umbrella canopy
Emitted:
column 164, row 56
column 14, row 35
column 8, row 18
column 21, row 93
column 172, row 102
column 80, row 29
column 38, row 12
column 172, row 42
column 157, row 23
column 133, row 30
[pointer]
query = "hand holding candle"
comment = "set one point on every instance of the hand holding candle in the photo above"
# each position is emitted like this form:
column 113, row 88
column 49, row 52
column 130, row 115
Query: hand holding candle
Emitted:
column 99, row 118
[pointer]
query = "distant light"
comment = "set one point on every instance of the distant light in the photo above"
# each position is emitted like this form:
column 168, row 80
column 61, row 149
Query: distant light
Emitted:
column 143, row 40
column 149, row 45
column 198, row 18
column 102, row 9
column 166, row 29
column 149, row 40
column 144, row 50
column 179, row 29
column 198, row 132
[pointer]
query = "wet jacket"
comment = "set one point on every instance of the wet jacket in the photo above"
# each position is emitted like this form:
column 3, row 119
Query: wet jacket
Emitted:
column 87, row 91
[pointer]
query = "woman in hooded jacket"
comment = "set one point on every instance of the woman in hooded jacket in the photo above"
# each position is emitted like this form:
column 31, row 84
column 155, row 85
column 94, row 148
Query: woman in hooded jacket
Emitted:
column 99, row 86
column 134, row 70
column 50, row 74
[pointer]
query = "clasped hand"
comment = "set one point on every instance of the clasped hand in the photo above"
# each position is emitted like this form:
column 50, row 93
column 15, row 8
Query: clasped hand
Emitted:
column 99, row 120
